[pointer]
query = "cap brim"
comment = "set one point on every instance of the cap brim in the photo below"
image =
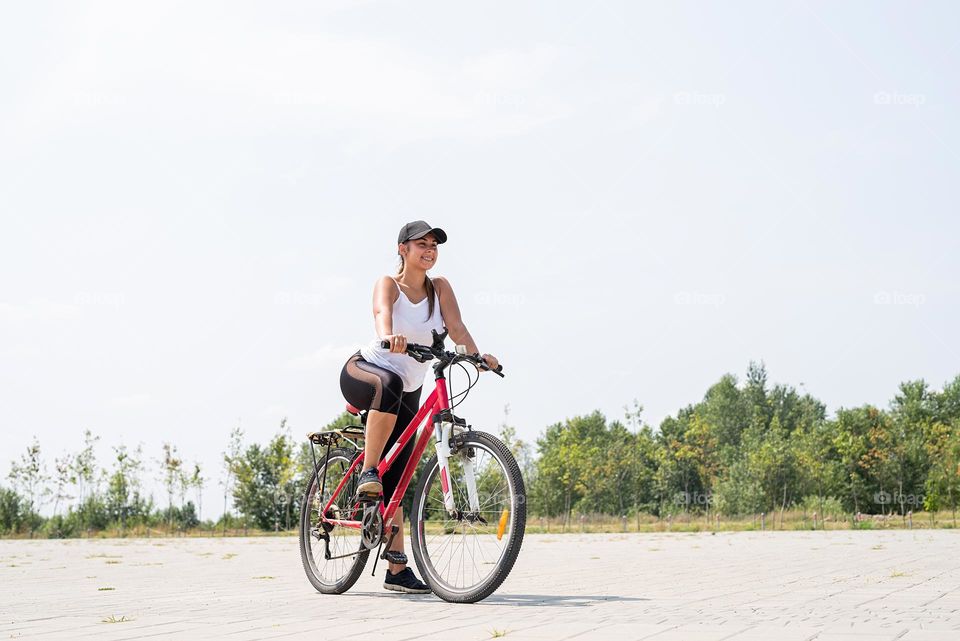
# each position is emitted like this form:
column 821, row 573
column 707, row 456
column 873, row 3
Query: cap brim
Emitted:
column 436, row 231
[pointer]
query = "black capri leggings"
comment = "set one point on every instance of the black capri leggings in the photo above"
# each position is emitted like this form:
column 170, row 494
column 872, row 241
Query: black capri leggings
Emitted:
column 370, row 387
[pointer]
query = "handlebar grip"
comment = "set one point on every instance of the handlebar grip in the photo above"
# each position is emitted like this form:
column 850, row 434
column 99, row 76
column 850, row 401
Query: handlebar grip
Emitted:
column 385, row 344
column 498, row 371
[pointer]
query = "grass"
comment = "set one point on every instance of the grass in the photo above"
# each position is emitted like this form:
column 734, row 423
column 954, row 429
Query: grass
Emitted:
column 594, row 523
column 228, row 556
column 692, row 522
column 113, row 619
column 496, row 634
column 264, row 577
column 105, row 589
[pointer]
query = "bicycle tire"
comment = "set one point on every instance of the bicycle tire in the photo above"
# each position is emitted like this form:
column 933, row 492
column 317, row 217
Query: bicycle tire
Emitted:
column 507, row 557
column 307, row 540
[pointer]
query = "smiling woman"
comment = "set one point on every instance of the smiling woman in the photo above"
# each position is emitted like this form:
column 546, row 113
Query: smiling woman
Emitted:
column 386, row 381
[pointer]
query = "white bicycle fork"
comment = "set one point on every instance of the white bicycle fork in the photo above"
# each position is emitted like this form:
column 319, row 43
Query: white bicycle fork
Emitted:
column 469, row 479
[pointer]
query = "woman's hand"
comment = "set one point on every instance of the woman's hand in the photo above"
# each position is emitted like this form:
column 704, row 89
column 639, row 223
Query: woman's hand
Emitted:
column 398, row 343
column 491, row 361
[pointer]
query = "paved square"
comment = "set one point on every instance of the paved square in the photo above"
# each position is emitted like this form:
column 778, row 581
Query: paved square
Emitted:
column 744, row 586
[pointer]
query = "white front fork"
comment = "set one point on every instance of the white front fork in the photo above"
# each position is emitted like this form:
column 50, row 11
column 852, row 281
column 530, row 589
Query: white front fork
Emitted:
column 443, row 454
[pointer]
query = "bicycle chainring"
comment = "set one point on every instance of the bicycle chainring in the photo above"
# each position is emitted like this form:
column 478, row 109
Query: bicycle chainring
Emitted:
column 371, row 526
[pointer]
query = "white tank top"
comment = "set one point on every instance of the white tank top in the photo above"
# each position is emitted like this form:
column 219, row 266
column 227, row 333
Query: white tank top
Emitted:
column 411, row 321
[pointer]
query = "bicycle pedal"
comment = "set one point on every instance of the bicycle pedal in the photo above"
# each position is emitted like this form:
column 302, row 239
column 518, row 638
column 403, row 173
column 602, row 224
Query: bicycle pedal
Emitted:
column 394, row 556
column 369, row 497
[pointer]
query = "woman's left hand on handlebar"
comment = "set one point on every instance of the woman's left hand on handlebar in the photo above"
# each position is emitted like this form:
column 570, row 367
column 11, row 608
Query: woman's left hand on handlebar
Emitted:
column 491, row 361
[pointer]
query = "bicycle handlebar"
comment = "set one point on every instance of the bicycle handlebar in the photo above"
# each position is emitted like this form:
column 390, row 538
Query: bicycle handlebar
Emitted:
column 422, row 353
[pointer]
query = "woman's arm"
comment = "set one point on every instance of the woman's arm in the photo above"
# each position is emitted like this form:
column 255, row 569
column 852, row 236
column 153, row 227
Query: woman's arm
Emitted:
column 454, row 323
column 384, row 294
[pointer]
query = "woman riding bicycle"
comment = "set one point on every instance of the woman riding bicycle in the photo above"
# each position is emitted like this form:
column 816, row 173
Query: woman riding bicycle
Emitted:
column 387, row 382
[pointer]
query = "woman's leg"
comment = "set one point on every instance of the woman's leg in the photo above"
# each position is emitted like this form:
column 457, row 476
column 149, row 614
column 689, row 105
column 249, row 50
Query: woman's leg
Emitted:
column 409, row 405
column 397, row 544
column 369, row 387
column 379, row 428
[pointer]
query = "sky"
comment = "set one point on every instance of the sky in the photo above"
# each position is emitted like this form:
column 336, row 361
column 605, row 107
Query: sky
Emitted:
column 197, row 199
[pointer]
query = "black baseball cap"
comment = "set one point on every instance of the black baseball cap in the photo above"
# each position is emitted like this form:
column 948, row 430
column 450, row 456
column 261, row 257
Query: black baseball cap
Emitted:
column 419, row 229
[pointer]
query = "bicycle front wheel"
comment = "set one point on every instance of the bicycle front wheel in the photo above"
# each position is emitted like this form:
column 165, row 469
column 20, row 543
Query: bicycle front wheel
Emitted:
column 466, row 555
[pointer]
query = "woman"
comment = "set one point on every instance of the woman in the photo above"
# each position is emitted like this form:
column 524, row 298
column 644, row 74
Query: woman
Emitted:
column 387, row 382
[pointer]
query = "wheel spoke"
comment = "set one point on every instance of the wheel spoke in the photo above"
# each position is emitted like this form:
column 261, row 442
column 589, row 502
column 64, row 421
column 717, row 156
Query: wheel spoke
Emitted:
column 461, row 554
column 330, row 573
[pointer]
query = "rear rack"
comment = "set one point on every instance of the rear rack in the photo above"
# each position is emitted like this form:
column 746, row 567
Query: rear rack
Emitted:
column 332, row 437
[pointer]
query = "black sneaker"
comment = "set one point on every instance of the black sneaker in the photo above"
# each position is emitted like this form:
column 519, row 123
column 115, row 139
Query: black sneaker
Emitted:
column 369, row 482
column 405, row 581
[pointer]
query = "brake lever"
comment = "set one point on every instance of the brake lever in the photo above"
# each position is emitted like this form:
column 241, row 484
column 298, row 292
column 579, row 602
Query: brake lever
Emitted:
column 483, row 365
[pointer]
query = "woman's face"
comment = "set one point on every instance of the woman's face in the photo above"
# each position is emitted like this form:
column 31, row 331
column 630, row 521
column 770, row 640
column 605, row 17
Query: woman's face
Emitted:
column 421, row 252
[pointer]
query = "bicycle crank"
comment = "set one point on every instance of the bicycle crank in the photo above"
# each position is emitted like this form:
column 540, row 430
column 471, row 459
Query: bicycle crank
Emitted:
column 371, row 526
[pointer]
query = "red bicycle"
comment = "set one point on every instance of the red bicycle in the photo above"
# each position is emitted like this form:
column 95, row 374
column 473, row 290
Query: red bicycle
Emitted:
column 469, row 507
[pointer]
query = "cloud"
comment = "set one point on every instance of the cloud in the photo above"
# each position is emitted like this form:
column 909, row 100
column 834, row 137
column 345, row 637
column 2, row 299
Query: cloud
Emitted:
column 130, row 401
column 37, row 310
column 325, row 357
column 275, row 412
column 120, row 71
column 513, row 68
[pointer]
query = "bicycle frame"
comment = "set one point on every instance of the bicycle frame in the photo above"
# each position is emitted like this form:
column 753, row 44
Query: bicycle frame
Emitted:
column 435, row 403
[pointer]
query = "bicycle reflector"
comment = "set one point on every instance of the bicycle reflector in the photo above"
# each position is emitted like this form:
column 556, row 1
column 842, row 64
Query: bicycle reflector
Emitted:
column 503, row 523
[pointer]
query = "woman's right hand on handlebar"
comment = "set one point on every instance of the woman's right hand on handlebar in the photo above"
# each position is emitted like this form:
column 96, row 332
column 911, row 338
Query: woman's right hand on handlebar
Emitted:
column 398, row 343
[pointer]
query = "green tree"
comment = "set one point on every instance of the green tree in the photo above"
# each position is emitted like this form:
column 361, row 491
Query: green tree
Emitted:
column 567, row 452
column 29, row 477
column 12, row 511
column 84, row 469
column 942, row 485
column 197, row 481
column 819, row 461
column 171, row 468
column 851, row 444
column 230, row 458
column 123, row 498
column 266, row 482
column 62, row 471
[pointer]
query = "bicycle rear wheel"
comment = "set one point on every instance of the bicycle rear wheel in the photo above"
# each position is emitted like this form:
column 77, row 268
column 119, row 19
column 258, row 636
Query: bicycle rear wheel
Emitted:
column 464, row 557
column 334, row 575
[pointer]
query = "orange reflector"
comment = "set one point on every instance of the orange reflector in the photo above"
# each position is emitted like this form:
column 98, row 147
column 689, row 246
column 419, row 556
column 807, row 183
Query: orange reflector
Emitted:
column 503, row 523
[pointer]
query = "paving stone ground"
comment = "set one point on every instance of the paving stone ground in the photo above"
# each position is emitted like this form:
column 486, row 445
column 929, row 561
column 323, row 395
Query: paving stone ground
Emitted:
column 745, row 586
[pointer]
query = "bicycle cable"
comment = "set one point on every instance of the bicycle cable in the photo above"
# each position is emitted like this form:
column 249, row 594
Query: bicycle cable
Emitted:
column 470, row 384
